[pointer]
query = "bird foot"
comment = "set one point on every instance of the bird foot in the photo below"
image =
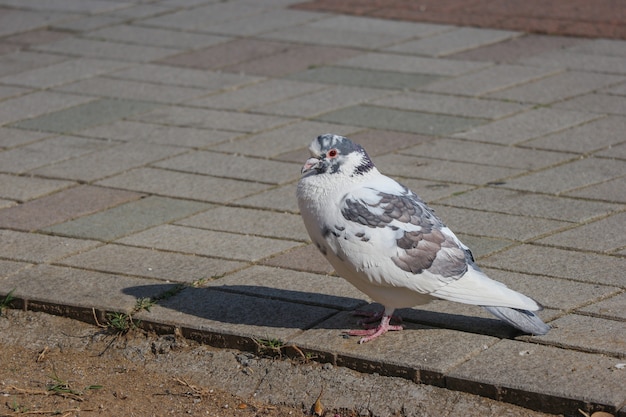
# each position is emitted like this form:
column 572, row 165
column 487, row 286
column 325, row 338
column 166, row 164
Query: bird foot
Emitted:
column 372, row 317
column 372, row 333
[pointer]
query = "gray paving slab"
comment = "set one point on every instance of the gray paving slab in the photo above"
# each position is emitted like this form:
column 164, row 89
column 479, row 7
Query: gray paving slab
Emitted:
column 47, row 151
column 612, row 308
column 402, row 120
column 612, row 191
column 95, row 112
column 127, row 218
column 365, row 77
column 254, row 222
column 233, row 166
column 278, row 198
column 211, row 119
column 151, row 263
column 532, row 205
column 238, row 247
column 61, row 206
column 274, row 19
column 15, row 20
column 381, row 61
column 607, row 47
column 11, row 267
column 183, row 185
column 87, row 23
column 575, row 59
column 526, row 126
column 63, row 72
column 11, row 92
column 37, row 104
column 564, row 177
column 17, row 61
column 10, row 138
column 595, row 103
column 127, row 131
column 560, row 263
column 39, row 248
column 304, row 258
column 599, row 236
column 557, row 380
column 454, row 105
column 22, row 189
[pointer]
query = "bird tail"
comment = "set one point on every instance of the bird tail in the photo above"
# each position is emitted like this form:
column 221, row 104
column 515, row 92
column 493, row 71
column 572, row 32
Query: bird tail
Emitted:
column 525, row 320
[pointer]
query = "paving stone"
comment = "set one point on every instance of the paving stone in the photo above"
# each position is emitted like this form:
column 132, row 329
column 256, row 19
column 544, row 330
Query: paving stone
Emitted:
column 257, row 24
column 208, row 243
column 88, row 23
column 248, row 221
column 619, row 89
column 482, row 246
column 612, row 191
column 156, row 37
column 16, row 21
column 37, row 248
column 108, row 162
column 598, row 236
column 62, row 73
column 258, row 95
column 11, row 92
column 57, row 286
column 125, row 130
column 86, row 115
column 8, row 268
column 578, row 266
column 185, row 77
column 74, row 6
column 46, row 152
column 91, row 48
column 127, row 218
column 453, row 41
column 558, row 380
column 10, row 138
column 592, row 62
column 592, row 136
column 445, row 171
column 616, row 152
column 612, row 308
column 512, row 50
column 590, row 334
column 26, row 60
column 298, row 287
column 284, row 139
column 457, row 106
column 293, row 59
column 224, row 315
column 412, row 64
column 62, row 206
column 142, row 11
column 233, row 166
column 183, row 185
column 304, row 258
column 133, row 90
column 489, row 80
column 323, row 101
column 199, row 19
column 557, row 87
column 567, row 177
column 27, row 188
column 211, row 119
column 281, row 198
column 402, row 120
column 381, row 26
column 481, row 223
column 171, row 267
column 227, row 54
column 532, row 205
column 427, row 356
column 365, row 78
column 608, row 47
column 595, row 103
column 36, row 104
column 487, row 154
column 526, row 126
column 380, row 142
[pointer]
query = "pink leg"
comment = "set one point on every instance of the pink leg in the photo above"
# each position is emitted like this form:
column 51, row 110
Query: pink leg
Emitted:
column 372, row 317
column 371, row 334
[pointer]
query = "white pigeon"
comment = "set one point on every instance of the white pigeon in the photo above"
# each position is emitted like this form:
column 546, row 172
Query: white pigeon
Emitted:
column 383, row 239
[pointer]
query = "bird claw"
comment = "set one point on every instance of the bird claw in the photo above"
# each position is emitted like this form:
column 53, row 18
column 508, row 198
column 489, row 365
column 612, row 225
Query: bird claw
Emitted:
column 372, row 317
column 374, row 332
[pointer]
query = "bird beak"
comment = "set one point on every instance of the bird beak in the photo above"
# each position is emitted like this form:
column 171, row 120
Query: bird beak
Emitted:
column 310, row 164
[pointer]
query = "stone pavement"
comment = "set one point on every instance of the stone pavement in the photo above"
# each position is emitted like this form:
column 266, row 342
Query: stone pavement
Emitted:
column 151, row 150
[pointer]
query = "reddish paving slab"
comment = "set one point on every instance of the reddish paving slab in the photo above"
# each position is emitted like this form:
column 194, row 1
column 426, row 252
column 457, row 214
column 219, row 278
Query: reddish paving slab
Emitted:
column 599, row 18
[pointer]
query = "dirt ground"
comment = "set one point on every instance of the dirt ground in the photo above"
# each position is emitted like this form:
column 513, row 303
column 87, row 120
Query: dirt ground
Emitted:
column 86, row 371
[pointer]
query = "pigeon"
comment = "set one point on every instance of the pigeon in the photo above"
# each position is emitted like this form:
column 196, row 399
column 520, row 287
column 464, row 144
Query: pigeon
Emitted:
column 383, row 239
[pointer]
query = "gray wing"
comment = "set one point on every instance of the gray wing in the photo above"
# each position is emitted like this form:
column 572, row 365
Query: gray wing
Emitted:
column 424, row 243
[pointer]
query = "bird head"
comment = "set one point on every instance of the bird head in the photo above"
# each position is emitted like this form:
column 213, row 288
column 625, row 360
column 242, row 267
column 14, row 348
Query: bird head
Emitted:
column 334, row 154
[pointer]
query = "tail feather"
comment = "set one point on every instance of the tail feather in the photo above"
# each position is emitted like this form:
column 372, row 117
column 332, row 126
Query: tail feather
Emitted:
column 525, row 320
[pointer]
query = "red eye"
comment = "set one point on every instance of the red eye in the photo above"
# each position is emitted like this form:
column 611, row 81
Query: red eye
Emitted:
column 332, row 153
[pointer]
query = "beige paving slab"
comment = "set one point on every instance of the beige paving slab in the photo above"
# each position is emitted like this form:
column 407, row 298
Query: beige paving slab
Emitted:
column 281, row 198
column 612, row 190
column 612, row 308
column 37, row 248
column 20, row 188
column 232, row 246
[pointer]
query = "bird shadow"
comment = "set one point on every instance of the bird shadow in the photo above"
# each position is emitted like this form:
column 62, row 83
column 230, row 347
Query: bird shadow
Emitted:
column 254, row 305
